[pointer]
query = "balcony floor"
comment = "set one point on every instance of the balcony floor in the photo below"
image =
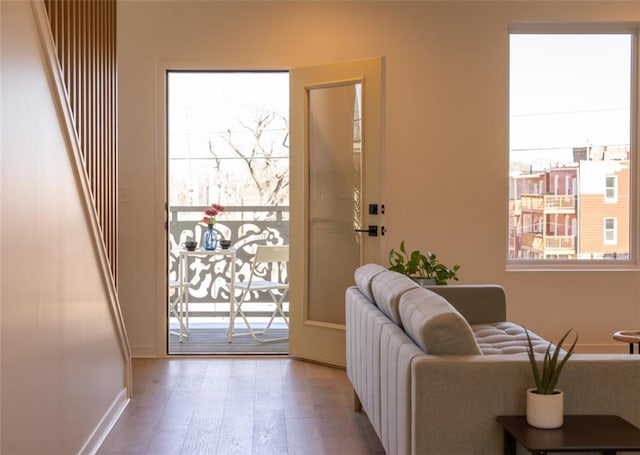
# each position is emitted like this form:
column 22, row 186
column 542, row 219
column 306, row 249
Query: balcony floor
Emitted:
column 209, row 336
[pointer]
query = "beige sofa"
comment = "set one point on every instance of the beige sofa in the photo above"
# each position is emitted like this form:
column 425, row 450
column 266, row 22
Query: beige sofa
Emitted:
column 432, row 370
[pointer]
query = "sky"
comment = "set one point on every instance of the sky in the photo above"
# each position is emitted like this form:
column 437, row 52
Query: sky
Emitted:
column 568, row 91
column 203, row 105
column 565, row 91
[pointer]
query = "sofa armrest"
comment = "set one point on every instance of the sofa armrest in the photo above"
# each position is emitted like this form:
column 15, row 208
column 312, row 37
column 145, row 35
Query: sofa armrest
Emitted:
column 474, row 390
column 478, row 303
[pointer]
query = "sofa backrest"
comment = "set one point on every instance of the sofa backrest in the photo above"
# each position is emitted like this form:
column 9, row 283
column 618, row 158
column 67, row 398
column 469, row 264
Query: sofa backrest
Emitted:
column 364, row 276
column 435, row 325
column 387, row 288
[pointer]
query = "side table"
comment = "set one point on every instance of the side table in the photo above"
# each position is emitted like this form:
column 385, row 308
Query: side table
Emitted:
column 628, row 336
column 579, row 433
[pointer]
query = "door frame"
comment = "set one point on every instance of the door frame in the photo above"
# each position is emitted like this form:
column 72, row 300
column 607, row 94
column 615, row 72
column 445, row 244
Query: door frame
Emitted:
column 161, row 205
column 301, row 343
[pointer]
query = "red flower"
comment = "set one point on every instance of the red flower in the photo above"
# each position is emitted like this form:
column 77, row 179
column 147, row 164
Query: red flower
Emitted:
column 211, row 213
column 214, row 210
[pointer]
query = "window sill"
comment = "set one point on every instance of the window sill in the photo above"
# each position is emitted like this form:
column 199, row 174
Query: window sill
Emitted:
column 571, row 266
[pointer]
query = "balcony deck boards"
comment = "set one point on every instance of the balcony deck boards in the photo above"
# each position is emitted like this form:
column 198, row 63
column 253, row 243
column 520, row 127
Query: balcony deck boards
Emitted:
column 206, row 338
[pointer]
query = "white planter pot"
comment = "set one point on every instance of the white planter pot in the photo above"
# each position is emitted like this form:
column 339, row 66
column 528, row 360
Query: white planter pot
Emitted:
column 545, row 411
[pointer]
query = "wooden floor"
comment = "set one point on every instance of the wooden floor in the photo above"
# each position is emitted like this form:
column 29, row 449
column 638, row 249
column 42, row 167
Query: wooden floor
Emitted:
column 240, row 406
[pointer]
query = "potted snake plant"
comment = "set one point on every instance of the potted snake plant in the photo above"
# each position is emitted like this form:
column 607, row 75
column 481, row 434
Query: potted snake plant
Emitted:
column 545, row 403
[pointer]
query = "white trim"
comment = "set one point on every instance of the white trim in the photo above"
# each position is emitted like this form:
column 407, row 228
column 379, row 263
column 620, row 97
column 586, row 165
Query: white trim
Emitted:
column 634, row 190
column 161, row 218
column 613, row 230
column 610, row 27
column 559, row 265
column 146, row 351
column 613, row 199
column 161, row 200
column 106, row 424
column 564, row 27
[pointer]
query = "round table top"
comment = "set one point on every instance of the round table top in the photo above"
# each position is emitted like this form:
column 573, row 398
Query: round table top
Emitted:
column 628, row 336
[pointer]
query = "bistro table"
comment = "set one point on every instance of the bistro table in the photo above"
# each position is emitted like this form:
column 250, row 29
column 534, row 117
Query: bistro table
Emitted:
column 628, row 336
column 183, row 274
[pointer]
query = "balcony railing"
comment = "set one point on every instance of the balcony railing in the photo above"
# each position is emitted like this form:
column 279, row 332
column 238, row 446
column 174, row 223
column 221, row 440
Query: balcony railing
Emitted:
column 548, row 203
column 560, row 242
column 246, row 226
column 550, row 244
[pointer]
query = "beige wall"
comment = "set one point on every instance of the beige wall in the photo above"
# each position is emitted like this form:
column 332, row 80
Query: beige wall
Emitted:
column 445, row 170
column 63, row 370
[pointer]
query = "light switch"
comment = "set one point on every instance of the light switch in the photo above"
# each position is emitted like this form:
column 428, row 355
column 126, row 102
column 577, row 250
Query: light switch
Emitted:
column 123, row 194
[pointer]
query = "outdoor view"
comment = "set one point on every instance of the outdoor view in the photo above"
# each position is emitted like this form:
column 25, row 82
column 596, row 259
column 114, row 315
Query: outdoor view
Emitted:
column 570, row 153
column 228, row 138
column 227, row 145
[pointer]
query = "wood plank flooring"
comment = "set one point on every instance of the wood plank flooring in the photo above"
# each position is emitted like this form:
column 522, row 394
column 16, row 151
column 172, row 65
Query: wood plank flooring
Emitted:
column 250, row 405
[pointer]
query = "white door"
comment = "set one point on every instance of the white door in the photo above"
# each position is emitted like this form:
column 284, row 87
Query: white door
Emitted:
column 335, row 166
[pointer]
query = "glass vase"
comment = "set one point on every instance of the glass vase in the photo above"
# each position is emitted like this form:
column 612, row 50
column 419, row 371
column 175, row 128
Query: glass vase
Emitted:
column 210, row 238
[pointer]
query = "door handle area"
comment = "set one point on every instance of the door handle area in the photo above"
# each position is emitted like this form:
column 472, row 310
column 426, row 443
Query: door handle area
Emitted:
column 372, row 230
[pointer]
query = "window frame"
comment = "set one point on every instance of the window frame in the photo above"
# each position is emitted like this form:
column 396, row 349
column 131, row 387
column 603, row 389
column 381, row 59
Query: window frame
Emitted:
column 633, row 261
column 613, row 230
column 611, row 199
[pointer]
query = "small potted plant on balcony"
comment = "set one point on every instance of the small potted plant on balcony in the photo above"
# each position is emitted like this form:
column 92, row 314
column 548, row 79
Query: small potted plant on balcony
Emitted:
column 425, row 269
column 545, row 402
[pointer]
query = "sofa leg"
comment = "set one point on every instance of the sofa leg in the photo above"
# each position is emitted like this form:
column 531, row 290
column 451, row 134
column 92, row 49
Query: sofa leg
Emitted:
column 357, row 404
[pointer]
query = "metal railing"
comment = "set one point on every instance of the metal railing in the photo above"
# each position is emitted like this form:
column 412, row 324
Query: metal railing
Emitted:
column 246, row 227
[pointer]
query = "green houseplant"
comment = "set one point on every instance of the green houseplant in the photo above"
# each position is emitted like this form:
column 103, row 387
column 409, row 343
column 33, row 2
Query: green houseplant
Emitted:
column 545, row 402
column 419, row 266
column 547, row 379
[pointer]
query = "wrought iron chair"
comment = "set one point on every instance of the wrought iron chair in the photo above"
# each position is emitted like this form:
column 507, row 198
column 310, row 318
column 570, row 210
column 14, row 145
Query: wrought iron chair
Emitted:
column 178, row 308
column 264, row 279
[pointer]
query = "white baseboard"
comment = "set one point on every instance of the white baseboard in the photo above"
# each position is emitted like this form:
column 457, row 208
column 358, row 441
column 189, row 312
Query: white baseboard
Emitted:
column 145, row 351
column 107, row 422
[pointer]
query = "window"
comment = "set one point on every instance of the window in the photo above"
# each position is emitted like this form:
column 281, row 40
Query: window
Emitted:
column 611, row 189
column 610, row 231
column 571, row 108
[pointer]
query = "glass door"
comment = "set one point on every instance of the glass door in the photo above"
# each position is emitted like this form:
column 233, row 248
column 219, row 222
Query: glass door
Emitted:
column 335, row 165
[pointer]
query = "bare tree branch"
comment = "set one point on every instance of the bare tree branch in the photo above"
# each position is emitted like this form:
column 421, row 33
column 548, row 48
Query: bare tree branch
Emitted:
column 259, row 158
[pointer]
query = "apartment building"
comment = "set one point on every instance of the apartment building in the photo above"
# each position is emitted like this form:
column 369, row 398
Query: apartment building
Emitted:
column 577, row 210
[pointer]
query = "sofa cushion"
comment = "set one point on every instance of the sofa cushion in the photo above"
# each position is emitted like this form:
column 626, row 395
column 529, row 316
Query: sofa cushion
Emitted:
column 477, row 303
column 435, row 325
column 363, row 276
column 506, row 338
column 387, row 288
